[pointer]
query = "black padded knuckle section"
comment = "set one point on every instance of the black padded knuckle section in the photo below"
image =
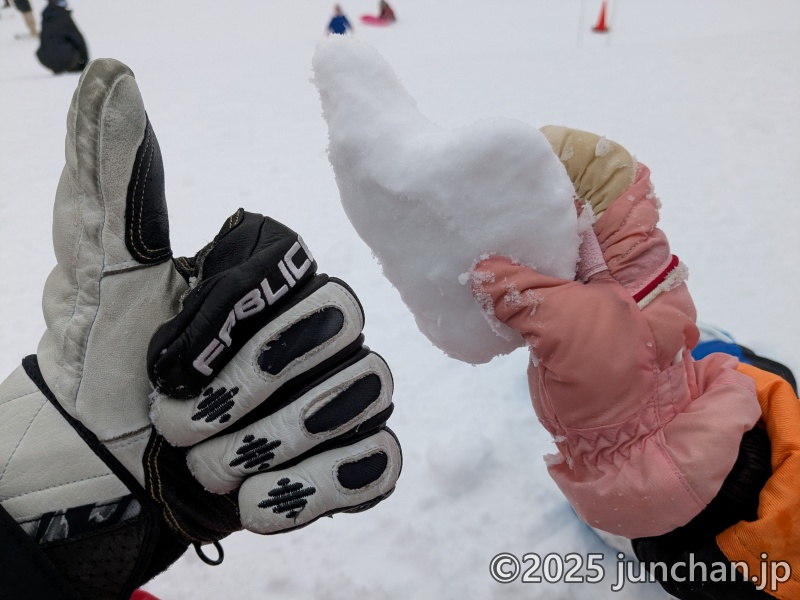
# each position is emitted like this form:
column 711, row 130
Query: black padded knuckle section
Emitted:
column 360, row 473
column 146, row 217
column 300, row 338
column 346, row 405
column 242, row 235
column 254, row 270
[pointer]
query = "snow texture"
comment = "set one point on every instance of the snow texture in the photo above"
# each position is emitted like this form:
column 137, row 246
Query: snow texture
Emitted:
column 239, row 124
column 430, row 201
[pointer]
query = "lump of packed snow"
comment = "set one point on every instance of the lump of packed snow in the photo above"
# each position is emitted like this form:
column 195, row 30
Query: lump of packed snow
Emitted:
column 430, row 202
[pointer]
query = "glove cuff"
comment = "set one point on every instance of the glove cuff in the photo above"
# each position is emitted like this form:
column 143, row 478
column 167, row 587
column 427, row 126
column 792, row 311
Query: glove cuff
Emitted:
column 25, row 570
column 112, row 558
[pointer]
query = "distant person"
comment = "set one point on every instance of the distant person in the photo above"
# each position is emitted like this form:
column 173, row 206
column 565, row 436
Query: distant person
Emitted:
column 386, row 12
column 339, row 23
column 384, row 17
column 24, row 7
column 63, row 49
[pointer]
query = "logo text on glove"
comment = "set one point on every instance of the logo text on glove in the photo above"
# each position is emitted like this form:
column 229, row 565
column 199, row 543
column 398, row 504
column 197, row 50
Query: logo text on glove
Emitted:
column 253, row 302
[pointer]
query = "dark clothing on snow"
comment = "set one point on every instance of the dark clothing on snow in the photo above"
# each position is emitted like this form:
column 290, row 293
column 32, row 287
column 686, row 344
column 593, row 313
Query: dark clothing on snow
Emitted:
column 62, row 45
column 339, row 24
column 387, row 14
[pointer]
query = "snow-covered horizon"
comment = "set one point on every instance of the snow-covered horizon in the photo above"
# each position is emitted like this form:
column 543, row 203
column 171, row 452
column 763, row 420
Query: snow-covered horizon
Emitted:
column 704, row 93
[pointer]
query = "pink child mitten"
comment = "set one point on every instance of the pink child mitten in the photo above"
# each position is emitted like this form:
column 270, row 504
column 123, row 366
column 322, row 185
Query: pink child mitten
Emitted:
column 645, row 434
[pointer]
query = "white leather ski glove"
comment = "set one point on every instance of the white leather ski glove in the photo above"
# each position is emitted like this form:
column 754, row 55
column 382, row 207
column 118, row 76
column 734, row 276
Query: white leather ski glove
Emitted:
column 265, row 411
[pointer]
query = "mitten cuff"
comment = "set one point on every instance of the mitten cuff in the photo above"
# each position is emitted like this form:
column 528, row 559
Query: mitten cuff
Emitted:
column 657, row 470
column 591, row 256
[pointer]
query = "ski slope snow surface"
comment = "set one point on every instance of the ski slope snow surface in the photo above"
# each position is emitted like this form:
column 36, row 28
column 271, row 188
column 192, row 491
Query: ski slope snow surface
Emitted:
column 704, row 93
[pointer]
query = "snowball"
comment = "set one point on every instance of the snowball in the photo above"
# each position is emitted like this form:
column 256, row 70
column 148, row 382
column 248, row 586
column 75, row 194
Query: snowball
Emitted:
column 429, row 202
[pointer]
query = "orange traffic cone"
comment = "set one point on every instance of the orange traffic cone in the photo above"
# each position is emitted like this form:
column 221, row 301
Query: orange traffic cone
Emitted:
column 601, row 20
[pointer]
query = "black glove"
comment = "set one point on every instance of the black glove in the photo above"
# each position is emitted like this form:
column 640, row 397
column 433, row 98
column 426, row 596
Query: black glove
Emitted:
column 265, row 367
column 269, row 411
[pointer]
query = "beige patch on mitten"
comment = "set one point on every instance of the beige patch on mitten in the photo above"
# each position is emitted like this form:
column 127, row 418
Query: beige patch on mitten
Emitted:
column 600, row 170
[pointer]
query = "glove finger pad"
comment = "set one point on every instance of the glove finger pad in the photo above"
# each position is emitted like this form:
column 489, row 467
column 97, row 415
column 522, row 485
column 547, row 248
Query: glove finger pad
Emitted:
column 339, row 404
column 293, row 343
column 346, row 479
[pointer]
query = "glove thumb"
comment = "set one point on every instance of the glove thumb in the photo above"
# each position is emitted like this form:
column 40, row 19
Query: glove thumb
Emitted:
column 111, row 240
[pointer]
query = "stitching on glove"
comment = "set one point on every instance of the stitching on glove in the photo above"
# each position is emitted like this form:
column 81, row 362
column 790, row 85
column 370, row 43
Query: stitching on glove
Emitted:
column 135, row 188
column 25, row 395
column 139, row 199
column 58, row 485
column 349, row 296
column 158, row 496
column 152, row 464
column 231, row 222
column 22, row 437
column 134, row 440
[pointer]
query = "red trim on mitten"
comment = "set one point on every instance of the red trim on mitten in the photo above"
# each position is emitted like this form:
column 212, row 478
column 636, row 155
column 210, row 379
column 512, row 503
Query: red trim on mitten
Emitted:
column 657, row 280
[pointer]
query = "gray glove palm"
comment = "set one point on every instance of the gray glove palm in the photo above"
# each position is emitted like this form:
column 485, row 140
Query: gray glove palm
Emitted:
column 263, row 387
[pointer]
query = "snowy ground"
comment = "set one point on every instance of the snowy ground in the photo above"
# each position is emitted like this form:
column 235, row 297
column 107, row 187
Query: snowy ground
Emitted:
column 705, row 93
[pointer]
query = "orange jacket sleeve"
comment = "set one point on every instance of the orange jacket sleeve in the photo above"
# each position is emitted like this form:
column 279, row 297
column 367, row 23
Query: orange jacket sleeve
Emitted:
column 776, row 532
